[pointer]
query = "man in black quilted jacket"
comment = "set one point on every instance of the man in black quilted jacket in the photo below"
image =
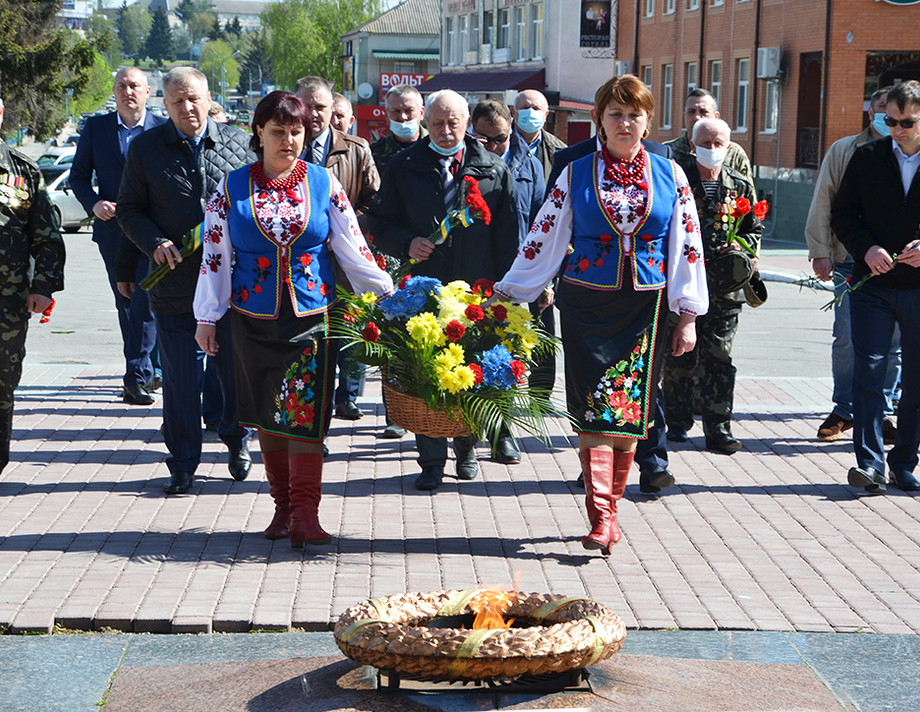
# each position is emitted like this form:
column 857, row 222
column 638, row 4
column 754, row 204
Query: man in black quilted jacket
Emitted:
column 169, row 175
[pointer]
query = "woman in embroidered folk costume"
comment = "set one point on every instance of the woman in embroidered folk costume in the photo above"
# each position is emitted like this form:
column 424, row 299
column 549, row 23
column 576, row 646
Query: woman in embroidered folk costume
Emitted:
column 267, row 257
column 620, row 228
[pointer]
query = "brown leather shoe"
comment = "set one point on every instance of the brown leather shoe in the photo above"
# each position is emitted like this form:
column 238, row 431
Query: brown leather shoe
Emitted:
column 889, row 431
column 833, row 427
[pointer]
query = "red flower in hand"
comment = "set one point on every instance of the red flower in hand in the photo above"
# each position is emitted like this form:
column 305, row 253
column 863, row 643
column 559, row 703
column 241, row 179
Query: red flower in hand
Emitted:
column 371, row 332
column 742, row 207
column 454, row 330
column 760, row 209
column 264, row 263
column 474, row 312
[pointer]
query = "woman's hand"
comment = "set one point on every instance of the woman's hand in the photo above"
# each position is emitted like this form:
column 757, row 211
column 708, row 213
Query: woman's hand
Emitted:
column 546, row 299
column 206, row 336
column 684, row 338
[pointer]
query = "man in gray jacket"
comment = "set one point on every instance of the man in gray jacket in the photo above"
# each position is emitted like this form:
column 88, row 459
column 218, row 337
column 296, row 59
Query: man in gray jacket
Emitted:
column 828, row 257
column 170, row 173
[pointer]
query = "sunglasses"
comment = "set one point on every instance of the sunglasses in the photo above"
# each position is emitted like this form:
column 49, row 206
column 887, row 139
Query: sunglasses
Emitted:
column 905, row 123
column 494, row 140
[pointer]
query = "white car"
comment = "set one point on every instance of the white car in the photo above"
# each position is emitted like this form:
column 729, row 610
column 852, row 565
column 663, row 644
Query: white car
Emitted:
column 57, row 156
column 70, row 211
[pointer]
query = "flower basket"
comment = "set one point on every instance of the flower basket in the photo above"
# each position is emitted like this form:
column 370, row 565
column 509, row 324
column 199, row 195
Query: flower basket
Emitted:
column 414, row 415
column 453, row 364
column 392, row 633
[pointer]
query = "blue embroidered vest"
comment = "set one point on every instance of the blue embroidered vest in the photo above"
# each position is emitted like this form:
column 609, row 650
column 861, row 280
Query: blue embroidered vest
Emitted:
column 598, row 257
column 263, row 268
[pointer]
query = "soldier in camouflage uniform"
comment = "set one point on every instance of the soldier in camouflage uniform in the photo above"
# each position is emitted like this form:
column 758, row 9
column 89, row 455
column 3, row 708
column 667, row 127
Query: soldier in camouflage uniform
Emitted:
column 716, row 188
column 405, row 110
column 28, row 228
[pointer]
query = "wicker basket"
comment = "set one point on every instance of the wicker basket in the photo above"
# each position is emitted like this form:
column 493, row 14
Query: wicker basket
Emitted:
column 391, row 634
column 413, row 414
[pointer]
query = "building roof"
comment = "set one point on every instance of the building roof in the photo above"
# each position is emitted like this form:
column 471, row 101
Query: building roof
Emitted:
column 486, row 81
column 238, row 7
column 411, row 17
column 433, row 56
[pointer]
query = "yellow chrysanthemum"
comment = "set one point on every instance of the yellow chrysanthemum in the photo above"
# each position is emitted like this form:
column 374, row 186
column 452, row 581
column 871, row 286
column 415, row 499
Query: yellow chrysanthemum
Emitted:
column 450, row 357
column 456, row 380
column 369, row 298
column 425, row 330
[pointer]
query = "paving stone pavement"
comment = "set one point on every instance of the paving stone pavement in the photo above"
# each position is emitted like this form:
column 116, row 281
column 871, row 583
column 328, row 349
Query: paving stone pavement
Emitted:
column 770, row 539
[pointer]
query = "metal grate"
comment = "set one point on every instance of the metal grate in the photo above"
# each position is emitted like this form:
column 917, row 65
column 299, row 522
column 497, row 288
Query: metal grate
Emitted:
column 567, row 681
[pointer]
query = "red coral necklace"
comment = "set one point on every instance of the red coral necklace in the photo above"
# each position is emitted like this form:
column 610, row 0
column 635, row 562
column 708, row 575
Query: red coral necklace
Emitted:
column 625, row 172
column 286, row 185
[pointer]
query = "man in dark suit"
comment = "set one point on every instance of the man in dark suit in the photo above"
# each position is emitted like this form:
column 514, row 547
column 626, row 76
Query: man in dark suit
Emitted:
column 102, row 148
column 651, row 453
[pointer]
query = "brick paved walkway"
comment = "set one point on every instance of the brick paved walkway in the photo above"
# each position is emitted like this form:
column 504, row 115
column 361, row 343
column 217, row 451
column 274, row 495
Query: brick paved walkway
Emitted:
column 769, row 539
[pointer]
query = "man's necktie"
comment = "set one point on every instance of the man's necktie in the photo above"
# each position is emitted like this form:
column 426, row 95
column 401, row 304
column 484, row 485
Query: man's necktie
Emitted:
column 447, row 181
column 317, row 153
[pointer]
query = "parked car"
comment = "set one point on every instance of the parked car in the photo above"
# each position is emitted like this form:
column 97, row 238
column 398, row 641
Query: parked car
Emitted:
column 57, row 156
column 159, row 92
column 70, row 211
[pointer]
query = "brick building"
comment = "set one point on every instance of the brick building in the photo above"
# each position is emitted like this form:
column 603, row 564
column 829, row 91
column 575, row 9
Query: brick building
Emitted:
column 791, row 76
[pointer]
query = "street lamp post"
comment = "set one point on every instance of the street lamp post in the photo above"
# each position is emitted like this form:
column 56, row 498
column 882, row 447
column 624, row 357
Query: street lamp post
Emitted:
column 223, row 77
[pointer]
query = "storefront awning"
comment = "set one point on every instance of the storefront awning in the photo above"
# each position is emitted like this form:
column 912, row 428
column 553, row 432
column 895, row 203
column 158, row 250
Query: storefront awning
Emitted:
column 424, row 56
column 483, row 82
column 575, row 105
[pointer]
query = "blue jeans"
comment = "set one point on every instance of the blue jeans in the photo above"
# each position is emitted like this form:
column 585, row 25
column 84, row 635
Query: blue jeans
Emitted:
column 182, row 392
column 351, row 378
column 877, row 312
column 652, row 453
column 842, row 356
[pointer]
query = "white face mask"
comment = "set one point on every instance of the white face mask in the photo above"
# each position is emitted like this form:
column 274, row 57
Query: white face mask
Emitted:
column 711, row 158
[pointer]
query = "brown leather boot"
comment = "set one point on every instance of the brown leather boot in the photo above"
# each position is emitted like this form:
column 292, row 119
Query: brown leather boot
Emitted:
column 306, row 488
column 597, row 466
column 622, row 464
column 277, row 474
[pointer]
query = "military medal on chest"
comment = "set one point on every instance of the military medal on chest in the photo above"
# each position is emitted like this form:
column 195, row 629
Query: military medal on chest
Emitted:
column 13, row 191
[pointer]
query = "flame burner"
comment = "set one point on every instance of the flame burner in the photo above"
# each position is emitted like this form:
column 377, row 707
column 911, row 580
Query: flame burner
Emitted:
column 568, row 681
column 425, row 637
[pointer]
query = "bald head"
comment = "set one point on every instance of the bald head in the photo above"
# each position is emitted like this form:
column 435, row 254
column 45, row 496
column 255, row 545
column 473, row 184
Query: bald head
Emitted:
column 531, row 99
column 131, row 91
column 530, row 110
column 447, row 115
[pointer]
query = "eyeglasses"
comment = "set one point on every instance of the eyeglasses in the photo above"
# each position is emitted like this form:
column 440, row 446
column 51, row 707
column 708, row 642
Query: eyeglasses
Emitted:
column 905, row 123
column 494, row 140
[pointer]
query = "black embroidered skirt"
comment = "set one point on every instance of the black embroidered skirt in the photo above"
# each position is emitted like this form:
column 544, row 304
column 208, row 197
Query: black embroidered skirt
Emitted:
column 612, row 341
column 285, row 373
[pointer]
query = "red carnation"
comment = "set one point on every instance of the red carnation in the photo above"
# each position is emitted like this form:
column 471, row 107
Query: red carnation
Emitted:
column 477, row 373
column 381, row 262
column 483, row 287
column 499, row 313
column 371, row 332
column 518, row 369
column 306, row 260
column 264, row 263
column 454, row 330
column 402, row 282
column 474, row 312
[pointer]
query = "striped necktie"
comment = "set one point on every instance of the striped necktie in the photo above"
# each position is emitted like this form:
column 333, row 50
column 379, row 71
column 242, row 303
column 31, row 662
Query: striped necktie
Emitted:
column 447, row 181
column 317, row 154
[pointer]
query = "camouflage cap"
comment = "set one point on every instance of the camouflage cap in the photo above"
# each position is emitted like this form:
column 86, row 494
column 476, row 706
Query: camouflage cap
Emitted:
column 728, row 272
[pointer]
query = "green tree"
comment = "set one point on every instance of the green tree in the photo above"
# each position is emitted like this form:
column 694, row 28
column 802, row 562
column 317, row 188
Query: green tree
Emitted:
column 304, row 36
column 216, row 32
column 234, row 26
column 38, row 62
column 100, row 30
column 133, row 27
column 256, row 67
column 182, row 42
column 159, row 41
column 97, row 90
column 217, row 63
column 200, row 25
column 187, row 9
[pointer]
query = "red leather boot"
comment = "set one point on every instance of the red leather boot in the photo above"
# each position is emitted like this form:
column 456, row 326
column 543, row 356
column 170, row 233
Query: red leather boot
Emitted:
column 306, row 488
column 277, row 474
column 622, row 464
column 597, row 466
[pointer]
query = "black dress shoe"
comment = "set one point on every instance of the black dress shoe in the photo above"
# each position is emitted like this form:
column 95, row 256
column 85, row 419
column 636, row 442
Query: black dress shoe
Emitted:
column 393, row 431
column 905, row 481
column 240, row 462
column 653, row 482
column 723, row 443
column 348, row 411
column 154, row 384
column 580, row 482
column 465, row 452
column 179, row 483
column 325, row 450
column 869, row 478
column 677, row 435
column 137, row 395
column 505, row 452
column 430, row 479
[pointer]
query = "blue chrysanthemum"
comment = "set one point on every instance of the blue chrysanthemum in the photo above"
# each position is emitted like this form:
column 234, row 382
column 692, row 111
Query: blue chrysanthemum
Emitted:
column 410, row 300
column 496, row 368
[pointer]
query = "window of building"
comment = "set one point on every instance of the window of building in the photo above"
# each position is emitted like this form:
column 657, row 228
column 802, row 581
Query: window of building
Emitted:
column 667, row 95
column 520, row 34
column 744, row 78
column 691, row 77
column 488, row 20
column 716, row 3
column 462, row 38
column 670, row 7
column 693, row 4
column 647, row 76
column 715, row 81
column 449, row 40
column 504, row 29
column 474, row 34
column 536, row 32
column 649, row 8
column 771, row 111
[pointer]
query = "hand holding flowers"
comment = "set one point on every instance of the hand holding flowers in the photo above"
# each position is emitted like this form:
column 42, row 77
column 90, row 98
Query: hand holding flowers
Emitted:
column 735, row 211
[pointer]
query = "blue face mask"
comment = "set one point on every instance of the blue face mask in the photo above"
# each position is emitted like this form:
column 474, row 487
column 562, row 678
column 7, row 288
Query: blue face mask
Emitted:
column 530, row 120
column 446, row 151
column 405, row 130
column 878, row 123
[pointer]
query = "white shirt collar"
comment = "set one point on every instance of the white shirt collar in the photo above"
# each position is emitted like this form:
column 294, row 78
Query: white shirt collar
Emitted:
column 140, row 121
column 321, row 139
column 907, row 164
